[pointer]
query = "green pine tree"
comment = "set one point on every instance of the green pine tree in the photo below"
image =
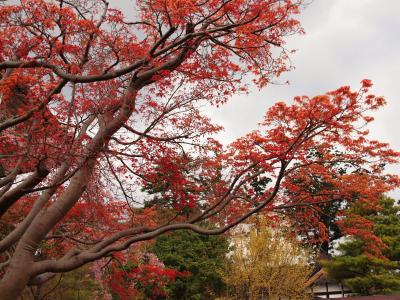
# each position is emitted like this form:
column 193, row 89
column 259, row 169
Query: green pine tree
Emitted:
column 366, row 274
column 200, row 255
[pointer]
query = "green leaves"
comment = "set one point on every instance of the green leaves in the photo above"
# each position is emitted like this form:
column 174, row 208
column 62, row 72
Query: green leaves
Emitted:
column 362, row 272
column 200, row 255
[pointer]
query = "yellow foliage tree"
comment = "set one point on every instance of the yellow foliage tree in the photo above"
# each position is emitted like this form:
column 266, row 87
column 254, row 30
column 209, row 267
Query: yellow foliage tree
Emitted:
column 267, row 264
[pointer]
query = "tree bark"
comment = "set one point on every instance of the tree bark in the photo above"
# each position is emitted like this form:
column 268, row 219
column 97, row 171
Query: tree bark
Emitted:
column 20, row 270
column 15, row 194
column 18, row 274
column 22, row 266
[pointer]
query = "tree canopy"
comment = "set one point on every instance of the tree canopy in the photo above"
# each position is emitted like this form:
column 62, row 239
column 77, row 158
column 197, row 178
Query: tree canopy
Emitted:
column 356, row 267
column 97, row 107
column 202, row 256
column 267, row 263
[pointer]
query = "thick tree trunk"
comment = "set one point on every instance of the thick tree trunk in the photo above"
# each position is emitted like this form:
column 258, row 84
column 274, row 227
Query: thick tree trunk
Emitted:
column 18, row 274
column 20, row 270
column 21, row 267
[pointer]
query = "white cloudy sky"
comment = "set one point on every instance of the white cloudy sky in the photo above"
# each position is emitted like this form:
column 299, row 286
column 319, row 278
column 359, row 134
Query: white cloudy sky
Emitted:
column 345, row 42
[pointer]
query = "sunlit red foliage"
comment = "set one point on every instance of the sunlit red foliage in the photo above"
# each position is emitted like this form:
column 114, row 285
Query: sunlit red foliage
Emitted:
column 146, row 277
column 319, row 151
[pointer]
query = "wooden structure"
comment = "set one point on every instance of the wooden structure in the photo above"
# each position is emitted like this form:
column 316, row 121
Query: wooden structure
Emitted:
column 321, row 287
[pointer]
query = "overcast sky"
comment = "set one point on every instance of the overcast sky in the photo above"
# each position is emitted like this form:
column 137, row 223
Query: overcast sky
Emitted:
column 345, row 42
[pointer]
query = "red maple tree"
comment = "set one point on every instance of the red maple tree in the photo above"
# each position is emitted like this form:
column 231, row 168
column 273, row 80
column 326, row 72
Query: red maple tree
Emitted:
column 97, row 108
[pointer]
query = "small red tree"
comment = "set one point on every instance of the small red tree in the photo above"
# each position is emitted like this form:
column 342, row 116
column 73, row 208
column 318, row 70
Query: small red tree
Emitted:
column 134, row 277
column 95, row 106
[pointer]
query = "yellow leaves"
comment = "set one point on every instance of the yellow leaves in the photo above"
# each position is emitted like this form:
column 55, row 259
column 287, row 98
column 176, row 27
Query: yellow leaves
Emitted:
column 267, row 262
